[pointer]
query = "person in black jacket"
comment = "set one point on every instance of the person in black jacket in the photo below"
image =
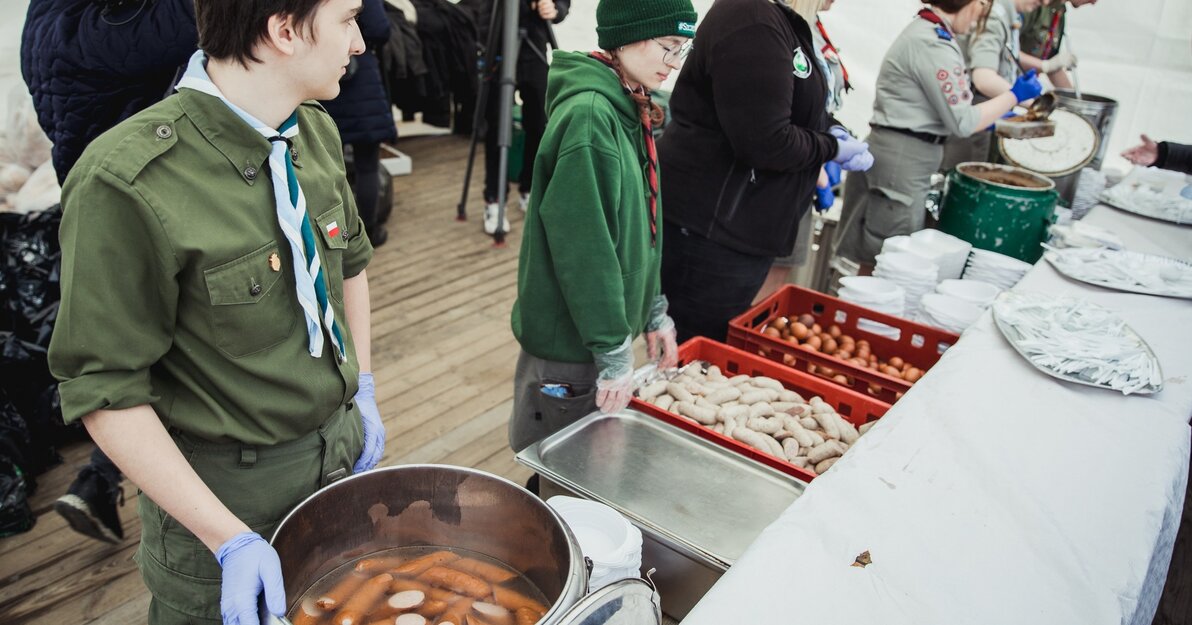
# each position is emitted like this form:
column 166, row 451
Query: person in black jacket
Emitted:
column 90, row 64
column 741, row 158
column 1164, row 155
column 364, row 117
column 534, row 19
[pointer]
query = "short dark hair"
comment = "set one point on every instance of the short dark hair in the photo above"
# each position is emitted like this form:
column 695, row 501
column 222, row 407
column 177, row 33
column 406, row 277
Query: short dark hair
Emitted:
column 949, row 6
column 230, row 29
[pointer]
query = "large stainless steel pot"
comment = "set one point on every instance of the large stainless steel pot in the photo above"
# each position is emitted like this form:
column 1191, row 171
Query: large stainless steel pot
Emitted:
column 443, row 506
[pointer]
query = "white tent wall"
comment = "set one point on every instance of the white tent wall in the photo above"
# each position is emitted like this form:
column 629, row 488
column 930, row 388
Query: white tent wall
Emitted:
column 1137, row 52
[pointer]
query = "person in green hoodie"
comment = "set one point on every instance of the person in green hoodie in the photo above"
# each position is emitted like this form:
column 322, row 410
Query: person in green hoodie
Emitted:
column 588, row 277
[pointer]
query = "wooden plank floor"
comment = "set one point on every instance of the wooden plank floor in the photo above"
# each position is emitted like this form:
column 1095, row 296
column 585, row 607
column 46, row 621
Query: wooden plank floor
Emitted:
column 443, row 356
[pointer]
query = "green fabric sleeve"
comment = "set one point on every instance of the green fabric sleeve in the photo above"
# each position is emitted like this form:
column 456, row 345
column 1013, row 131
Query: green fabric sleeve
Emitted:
column 360, row 250
column 119, row 296
column 579, row 214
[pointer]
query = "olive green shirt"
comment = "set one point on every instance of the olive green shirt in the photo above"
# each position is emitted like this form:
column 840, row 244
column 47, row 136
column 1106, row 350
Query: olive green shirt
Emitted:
column 177, row 282
column 1036, row 28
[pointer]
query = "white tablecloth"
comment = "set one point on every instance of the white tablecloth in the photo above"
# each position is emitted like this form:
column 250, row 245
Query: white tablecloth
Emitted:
column 992, row 493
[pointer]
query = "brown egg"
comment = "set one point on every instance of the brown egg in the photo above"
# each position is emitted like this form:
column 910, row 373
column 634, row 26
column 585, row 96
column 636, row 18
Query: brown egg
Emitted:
column 844, row 338
column 875, row 389
column 826, row 372
column 891, row 371
column 860, row 362
column 834, row 331
column 799, row 330
column 840, row 353
column 806, row 320
column 808, row 347
column 788, row 359
column 841, row 379
column 830, row 345
column 781, row 323
column 791, row 338
column 862, row 343
column 848, row 355
column 873, row 365
column 872, row 358
column 896, row 362
column 912, row 375
column 772, row 332
column 814, row 342
column 863, row 352
column 816, row 329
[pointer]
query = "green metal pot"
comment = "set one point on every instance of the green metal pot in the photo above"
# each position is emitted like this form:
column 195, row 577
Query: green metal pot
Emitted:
column 999, row 208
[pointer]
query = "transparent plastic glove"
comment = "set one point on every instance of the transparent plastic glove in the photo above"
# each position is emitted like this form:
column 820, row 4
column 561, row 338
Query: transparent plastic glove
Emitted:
column 1027, row 87
column 614, row 382
column 374, row 430
column 250, row 566
column 661, row 339
column 1063, row 60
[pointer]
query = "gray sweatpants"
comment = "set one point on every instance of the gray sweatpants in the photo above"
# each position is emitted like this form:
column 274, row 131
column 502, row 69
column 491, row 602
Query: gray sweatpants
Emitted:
column 537, row 415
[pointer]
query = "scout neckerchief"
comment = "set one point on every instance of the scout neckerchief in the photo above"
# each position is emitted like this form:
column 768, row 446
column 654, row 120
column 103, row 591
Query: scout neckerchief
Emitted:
column 651, row 153
column 291, row 212
column 1051, row 33
column 831, row 53
column 941, row 27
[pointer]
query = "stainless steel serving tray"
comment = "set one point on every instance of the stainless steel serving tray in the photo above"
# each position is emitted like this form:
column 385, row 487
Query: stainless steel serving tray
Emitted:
column 699, row 505
column 1117, row 286
column 1013, row 337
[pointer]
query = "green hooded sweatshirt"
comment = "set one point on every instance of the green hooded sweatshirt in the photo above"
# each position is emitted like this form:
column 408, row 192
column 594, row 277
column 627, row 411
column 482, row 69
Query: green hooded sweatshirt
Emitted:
column 587, row 273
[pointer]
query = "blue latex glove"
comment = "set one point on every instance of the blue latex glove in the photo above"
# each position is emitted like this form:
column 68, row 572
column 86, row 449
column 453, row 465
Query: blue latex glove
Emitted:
column 250, row 566
column 860, row 162
column 374, row 430
column 1027, row 87
column 614, row 382
column 832, row 168
column 824, row 198
column 852, row 154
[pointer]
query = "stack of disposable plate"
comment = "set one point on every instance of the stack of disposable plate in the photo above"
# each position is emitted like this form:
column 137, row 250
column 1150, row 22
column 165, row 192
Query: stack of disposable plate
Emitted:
column 997, row 269
column 948, row 312
column 974, row 292
column 945, row 250
column 875, row 294
column 915, row 274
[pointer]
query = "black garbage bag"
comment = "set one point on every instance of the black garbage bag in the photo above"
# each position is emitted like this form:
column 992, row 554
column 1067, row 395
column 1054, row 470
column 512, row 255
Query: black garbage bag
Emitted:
column 15, row 514
column 27, row 386
column 29, row 269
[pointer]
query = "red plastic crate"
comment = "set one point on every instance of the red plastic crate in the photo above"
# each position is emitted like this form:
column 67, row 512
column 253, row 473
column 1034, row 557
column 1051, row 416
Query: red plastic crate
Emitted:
column 855, row 407
column 917, row 344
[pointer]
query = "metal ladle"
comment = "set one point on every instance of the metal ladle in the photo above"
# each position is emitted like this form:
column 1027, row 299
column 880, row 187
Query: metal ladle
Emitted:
column 1042, row 107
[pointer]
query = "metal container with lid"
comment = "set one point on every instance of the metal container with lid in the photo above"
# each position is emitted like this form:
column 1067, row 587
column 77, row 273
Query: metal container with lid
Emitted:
column 451, row 507
column 697, row 504
column 1061, row 156
column 1099, row 111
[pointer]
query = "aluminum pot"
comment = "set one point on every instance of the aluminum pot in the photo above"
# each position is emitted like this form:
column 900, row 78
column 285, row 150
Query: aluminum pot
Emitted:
column 432, row 505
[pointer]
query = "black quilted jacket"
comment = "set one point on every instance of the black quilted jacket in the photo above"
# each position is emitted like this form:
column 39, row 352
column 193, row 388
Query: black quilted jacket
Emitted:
column 88, row 71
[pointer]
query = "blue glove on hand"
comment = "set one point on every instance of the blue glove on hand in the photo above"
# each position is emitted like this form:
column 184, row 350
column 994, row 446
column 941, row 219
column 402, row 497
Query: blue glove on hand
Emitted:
column 852, row 154
column 824, row 198
column 250, row 566
column 1027, row 87
column 374, row 431
column 832, row 168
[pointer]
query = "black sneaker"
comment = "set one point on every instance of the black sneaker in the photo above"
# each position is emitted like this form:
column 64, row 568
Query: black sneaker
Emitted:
column 89, row 505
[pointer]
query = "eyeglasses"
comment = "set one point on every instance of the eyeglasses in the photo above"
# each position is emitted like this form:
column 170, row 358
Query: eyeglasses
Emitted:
column 674, row 54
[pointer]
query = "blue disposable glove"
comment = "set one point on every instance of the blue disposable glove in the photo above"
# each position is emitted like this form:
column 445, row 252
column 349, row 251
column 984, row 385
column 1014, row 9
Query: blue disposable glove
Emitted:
column 1027, row 87
column 832, row 168
column 250, row 566
column 374, row 430
column 614, row 382
column 851, row 153
column 824, row 198
column 661, row 338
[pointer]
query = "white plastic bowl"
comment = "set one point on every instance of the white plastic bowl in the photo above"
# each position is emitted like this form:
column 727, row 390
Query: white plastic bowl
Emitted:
column 976, row 292
column 604, row 535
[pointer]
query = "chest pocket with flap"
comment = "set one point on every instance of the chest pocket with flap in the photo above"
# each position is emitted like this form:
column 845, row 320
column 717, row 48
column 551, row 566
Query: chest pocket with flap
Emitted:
column 252, row 308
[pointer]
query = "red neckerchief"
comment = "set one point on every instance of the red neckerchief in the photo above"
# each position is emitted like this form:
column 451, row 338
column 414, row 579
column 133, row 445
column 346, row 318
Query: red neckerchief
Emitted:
column 828, row 47
column 651, row 155
column 934, row 18
column 1055, row 25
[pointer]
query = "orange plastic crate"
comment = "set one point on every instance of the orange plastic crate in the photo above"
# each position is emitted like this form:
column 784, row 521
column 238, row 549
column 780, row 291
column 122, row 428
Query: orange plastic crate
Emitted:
column 855, row 407
column 917, row 344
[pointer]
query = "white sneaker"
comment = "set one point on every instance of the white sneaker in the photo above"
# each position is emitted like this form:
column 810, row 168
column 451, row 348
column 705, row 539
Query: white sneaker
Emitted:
column 523, row 202
column 490, row 220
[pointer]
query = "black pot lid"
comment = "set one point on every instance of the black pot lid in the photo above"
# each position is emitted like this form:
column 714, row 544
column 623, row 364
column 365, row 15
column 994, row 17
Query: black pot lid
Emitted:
column 630, row 601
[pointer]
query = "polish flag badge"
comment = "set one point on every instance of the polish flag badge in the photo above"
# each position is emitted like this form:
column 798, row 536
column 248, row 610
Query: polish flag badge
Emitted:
column 333, row 229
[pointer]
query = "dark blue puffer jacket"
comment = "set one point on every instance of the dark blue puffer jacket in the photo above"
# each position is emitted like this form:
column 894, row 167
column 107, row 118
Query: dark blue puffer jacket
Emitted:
column 87, row 71
column 362, row 110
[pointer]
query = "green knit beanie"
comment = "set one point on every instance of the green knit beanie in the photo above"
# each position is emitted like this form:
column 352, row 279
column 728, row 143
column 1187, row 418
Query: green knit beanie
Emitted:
column 619, row 22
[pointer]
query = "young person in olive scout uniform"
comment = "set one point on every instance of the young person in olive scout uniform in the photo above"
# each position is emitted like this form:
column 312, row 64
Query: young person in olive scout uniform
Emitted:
column 214, row 329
